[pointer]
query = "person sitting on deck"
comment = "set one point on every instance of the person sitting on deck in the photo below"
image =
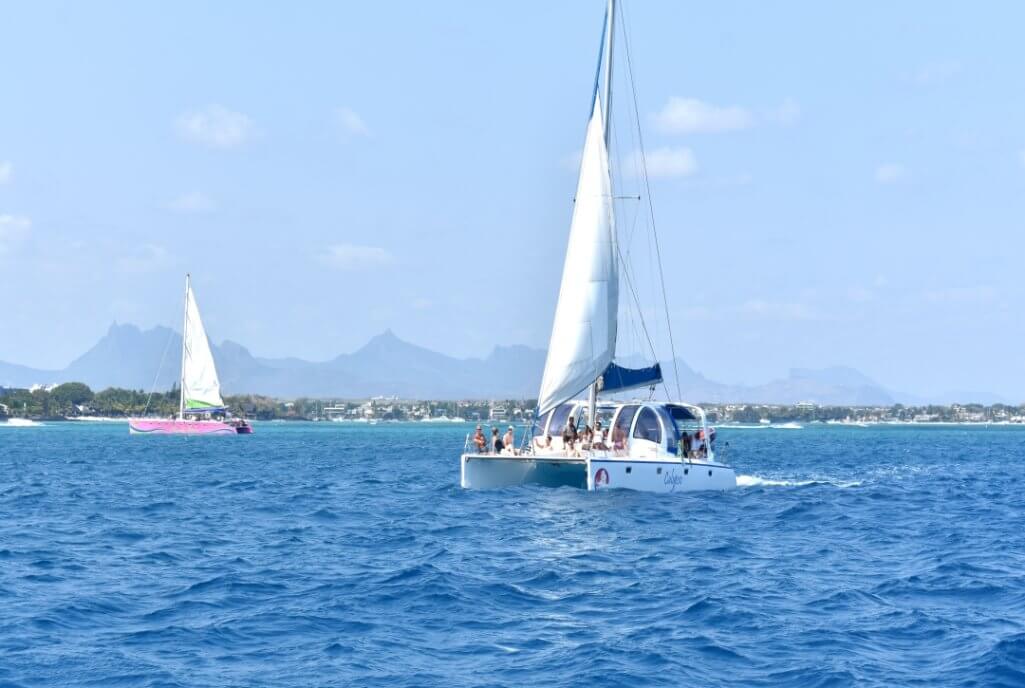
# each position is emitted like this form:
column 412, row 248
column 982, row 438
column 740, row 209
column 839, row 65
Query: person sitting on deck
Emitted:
column 618, row 440
column 543, row 442
column 569, row 437
column 496, row 442
column 698, row 448
column 480, row 442
column 598, row 440
column 586, row 438
column 509, row 441
column 685, row 445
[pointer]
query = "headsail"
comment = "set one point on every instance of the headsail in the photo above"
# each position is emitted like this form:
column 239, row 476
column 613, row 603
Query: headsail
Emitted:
column 201, row 390
column 584, row 333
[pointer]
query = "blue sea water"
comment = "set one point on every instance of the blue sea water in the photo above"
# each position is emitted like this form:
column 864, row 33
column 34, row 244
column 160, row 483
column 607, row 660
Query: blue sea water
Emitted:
column 326, row 554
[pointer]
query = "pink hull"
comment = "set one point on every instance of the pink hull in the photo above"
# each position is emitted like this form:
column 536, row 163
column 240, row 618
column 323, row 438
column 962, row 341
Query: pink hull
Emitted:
column 179, row 427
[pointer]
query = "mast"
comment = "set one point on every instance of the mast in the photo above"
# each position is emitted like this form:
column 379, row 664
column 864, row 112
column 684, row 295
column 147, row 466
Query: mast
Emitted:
column 610, row 31
column 185, row 334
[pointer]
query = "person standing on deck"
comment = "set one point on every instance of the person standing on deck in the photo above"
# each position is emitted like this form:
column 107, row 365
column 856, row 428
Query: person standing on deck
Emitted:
column 480, row 442
column 509, row 441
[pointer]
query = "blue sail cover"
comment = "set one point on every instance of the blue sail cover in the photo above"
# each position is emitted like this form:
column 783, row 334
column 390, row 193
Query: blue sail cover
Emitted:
column 617, row 378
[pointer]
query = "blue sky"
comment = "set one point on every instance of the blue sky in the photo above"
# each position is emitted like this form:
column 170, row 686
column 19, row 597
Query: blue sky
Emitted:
column 835, row 183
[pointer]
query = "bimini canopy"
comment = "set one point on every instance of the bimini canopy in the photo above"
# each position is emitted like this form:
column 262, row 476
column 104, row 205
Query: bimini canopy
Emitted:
column 617, row 378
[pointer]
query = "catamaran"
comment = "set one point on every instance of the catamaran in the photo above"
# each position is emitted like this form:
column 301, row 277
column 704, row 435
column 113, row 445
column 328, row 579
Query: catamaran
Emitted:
column 201, row 410
column 642, row 445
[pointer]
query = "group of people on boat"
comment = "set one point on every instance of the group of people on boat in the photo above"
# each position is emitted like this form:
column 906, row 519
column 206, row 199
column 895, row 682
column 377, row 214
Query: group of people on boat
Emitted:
column 693, row 446
column 506, row 444
column 575, row 442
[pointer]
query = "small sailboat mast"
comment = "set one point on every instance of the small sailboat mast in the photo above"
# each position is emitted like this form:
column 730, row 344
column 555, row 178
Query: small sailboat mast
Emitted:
column 185, row 339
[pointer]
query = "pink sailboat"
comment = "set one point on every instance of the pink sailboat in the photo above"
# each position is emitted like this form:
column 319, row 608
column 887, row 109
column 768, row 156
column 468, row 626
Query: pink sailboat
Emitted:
column 200, row 398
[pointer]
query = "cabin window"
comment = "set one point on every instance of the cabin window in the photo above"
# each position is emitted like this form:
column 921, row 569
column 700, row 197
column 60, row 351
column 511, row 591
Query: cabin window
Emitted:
column 647, row 427
column 623, row 421
column 539, row 427
column 559, row 417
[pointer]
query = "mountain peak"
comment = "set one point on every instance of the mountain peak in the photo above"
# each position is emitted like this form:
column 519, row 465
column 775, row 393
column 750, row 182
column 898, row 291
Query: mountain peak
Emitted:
column 126, row 328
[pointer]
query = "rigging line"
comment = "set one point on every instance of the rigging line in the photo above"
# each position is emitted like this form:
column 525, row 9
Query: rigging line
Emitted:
column 651, row 207
column 630, row 284
column 160, row 368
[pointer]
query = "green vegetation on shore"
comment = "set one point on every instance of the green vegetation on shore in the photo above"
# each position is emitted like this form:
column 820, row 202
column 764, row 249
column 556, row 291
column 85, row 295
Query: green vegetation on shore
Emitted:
column 75, row 399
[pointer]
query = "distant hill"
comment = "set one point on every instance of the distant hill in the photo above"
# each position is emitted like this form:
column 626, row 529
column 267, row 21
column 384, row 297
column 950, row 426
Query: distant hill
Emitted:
column 129, row 357
column 387, row 365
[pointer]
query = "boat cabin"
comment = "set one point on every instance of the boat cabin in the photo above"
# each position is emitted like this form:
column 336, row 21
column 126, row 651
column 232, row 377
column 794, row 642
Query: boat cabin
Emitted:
column 637, row 429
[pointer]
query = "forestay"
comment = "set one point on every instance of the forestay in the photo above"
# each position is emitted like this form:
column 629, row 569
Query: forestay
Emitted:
column 583, row 339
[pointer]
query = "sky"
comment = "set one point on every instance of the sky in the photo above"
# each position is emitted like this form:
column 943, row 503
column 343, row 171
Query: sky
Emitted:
column 832, row 183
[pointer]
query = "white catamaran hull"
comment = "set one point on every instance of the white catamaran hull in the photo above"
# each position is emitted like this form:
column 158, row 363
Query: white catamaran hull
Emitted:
column 489, row 471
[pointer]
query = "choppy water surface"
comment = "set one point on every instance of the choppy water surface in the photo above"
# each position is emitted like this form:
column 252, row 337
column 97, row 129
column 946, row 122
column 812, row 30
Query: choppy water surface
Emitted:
column 321, row 554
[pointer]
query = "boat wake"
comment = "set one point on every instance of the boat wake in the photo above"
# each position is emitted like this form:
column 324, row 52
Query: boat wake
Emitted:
column 755, row 481
column 21, row 423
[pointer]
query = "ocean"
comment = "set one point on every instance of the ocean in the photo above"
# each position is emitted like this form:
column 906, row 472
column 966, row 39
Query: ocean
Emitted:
column 313, row 554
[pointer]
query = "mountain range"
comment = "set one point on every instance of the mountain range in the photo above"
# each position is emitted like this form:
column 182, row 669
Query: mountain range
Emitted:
column 388, row 366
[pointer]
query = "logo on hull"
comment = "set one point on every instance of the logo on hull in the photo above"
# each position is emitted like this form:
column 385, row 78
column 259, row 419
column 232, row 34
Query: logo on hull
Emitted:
column 601, row 478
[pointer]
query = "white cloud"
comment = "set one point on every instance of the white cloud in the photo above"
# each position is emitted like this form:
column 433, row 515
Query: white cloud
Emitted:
column 6, row 171
column 193, row 202
column 690, row 115
column 354, row 257
column 863, row 294
column 350, row 123
column 13, row 229
column 216, row 126
column 937, row 72
column 787, row 114
column 669, row 162
column 891, row 173
column 150, row 258
column 758, row 308
column 979, row 294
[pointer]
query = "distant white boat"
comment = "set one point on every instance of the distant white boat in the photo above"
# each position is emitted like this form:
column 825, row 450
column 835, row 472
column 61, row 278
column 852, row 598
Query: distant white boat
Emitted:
column 656, row 447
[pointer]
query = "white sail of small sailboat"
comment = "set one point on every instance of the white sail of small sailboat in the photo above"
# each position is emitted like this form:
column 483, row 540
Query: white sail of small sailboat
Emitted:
column 665, row 446
column 200, row 388
column 201, row 409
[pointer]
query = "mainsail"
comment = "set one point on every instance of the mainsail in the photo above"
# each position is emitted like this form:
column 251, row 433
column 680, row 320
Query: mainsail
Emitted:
column 583, row 339
column 201, row 390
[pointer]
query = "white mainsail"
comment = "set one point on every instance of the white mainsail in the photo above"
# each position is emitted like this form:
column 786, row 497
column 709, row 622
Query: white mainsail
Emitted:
column 583, row 339
column 200, row 387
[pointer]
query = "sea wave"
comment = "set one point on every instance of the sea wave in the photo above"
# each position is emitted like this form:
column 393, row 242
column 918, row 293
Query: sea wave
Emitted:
column 300, row 557
column 756, row 481
column 21, row 423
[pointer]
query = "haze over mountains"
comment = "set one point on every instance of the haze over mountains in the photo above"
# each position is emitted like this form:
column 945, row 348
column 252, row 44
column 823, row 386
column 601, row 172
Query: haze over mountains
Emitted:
column 388, row 366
